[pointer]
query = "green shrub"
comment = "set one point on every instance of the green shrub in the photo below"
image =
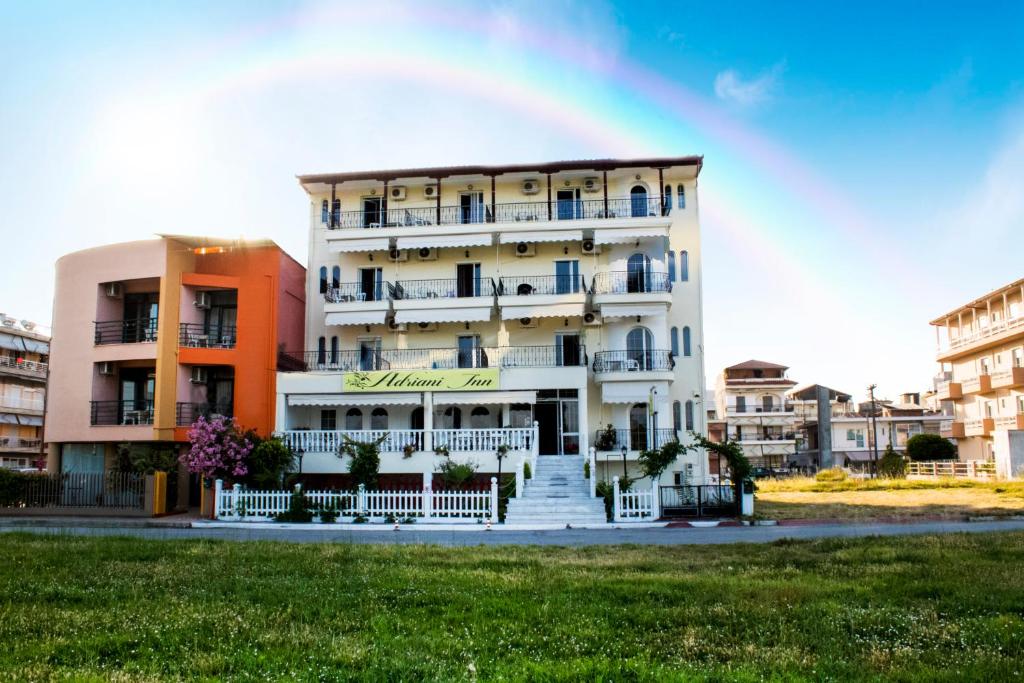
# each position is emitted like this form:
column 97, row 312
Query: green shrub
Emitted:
column 607, row 439
column 527, row 472
column 654, row 463
column 832, row 474
column 586, row 469
column 12, row 487
column 605, row 490
column 300, row 510
column 268, row 463
column 329, row 513
column 892, row 465
column 457, row 475
column 921, row 447
column 365, row 463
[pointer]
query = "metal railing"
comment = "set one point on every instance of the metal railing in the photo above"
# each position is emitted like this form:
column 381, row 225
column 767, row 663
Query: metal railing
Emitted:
column 526, row 285
column 200, row 336
column 641, row 206
column 633, row 439
column 18, row 443
column 633, row 361
column 107, row 413
column 122, row 490
column 443, row 288
column 125, row 331
column 762, row 436
column 347, row 292
column 708, row 500
column 185, row 414
column 631, row 282
column 757, row 409
column 436, row 358
column 30, row 366
column 338, row 361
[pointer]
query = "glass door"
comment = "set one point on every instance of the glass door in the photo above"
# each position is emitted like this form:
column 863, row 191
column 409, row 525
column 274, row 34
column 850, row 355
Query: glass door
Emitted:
column 471, row 207
column 371, row 284
column 470, row 355
column 369, row 354
column 567, row 277
column 567, row 349
column 467, row 279
column 569, row 205
column 371, row 212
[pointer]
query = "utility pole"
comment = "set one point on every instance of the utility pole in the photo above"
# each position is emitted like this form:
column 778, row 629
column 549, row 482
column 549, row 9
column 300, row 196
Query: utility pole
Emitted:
column 874, row 431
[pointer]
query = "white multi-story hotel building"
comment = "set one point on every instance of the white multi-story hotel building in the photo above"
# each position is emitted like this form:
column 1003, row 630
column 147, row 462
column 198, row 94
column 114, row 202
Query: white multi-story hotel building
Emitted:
column 548, row 307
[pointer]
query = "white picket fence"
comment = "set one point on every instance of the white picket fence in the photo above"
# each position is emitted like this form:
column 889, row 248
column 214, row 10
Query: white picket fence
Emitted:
column 970, row 469
column 637, row 504
column 239, row 504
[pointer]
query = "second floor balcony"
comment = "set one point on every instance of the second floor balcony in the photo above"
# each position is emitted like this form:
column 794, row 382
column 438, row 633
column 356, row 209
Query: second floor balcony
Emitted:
column 186, row 413
column 363, row 360
column 460, row 299
column 125, row 412
column 133, row 331
column 21, row 367
column 202, row 336
column 631, row 292
column 633, row 362
column 19, row 444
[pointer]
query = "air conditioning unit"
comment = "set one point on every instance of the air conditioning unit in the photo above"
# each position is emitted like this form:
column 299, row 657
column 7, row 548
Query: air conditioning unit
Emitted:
column 203, row 300
column 28, row 325
column 526, row 249
column 590, row 247
column 531, row 186
column 427, row 254
column 591, row 184
column 591, row 318
column 430, row 191
column 398, row 255
column 114, row 290
column 106, row 368
column 397, row 327
column 198, row 375
column 426, row 327
column 8, row 322
column 398, row 193
column 527, row 322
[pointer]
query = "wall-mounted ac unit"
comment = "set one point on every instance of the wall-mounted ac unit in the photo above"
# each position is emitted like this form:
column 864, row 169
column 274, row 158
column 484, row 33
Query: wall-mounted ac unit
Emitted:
column 114, row 290
column 106, row 368
column 397, row 327
column 198, row 375
column 427, row 254
column 591, row 318
column 527, row 322
column 591, row 184
column 397, row 193
column 590, row 247
column 526, row 249
column 398, row 255
column 7, row 322
column 531, row 186
column 28, row 325
column 430, row 191
column 426, row 327
column 203, row 300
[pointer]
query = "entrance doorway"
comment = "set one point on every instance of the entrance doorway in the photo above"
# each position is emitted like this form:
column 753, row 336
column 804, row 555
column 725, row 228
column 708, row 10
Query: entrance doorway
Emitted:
column 557, row 416
column 546, row 415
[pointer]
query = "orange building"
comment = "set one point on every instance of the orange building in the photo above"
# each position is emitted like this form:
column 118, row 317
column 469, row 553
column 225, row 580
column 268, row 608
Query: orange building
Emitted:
column 148, row 336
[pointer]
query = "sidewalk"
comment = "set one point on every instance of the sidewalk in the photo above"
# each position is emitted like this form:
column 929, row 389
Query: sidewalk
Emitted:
column 179, row 521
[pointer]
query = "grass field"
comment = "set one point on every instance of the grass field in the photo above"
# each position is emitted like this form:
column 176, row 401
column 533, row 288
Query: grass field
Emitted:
column 921, row 608
column 862, row 500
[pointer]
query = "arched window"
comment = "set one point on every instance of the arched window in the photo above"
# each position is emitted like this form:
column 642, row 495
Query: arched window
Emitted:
column 689, row 415
column 452, row 418
column 767, row 403
column 638, row 201
column 334, row 350
column 379, row 419
column 680, row 197
column 638, row 427
column 323, row 279
column 667, row 199
column 336, row 277
column 674, row 339
column 337, row 212
column 480, row 418
column 416, row 418
column 686, row 341
column 677, row 416
column 671, row 258
column 684, row 266
column 354, row 419
column 324, row 212
column 638, row 273
column 639, row 344
column 321, row 351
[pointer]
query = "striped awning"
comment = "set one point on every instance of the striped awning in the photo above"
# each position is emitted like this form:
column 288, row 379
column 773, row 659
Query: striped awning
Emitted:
column 444, row 315
column 630, row 310
column 428, row 241
column 356, row 318
column 626, row 235
column 355, row 399
column 361, row 244
column 483, row 397
column 542, row 311
column 542, row 236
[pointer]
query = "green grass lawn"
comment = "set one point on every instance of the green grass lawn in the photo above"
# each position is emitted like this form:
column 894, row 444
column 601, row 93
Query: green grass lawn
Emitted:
column 921, row 608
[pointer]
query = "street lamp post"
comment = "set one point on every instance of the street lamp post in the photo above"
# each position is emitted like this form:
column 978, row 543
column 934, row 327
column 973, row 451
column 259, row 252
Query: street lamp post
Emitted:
column 624, row 462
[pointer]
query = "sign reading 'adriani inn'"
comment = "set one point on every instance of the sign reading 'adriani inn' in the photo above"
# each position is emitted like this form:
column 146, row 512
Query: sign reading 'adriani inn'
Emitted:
column 421, row 380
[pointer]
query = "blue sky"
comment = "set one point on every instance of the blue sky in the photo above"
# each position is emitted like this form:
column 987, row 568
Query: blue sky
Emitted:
column 863, row 163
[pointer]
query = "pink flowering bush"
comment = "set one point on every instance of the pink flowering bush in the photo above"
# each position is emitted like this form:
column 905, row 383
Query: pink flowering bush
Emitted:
column 218, row 449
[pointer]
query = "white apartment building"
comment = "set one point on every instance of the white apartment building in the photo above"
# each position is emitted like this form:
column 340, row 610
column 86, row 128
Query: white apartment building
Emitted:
column 751, row 397
column 549, row 308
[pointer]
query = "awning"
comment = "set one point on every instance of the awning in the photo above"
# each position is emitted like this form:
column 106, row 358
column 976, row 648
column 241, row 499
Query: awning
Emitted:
column 428, row 241
column 626, row 235
column 354, row 399
column 541, row 311
column 542, row 236
column 633, row 392
column 444, row 315
column 28, row 420
column 362, row 244
column 13, row 342
column 630, row 310
column 356, row 318
column 856, row 456
column 480, row 397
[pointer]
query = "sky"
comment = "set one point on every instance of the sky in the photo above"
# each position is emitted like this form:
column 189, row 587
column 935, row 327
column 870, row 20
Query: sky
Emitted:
column 863, row 163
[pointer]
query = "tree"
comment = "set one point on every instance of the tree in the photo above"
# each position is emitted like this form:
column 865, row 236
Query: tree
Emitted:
column 892, row 465
column 930, row 447
column 365, row 463
column 654, row 462
column 218, row 450
column 269, row 460
column 739, row 466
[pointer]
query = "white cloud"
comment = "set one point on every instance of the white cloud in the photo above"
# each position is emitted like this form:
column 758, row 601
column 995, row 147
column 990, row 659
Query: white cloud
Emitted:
column 730, row 86
column 996, row 204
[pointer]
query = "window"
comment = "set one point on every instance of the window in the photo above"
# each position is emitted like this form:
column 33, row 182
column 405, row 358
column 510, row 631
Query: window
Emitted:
column 684, row 266
column 671, row 258
column 328, row 419
column 451, row 418
column 856, row 435
column 337, row 212
column 480, row 418
column 677, row 416
column 674, row 336
column 680, row 197
column 323, row 279
column 638, row 201
column 686, row 341
column 668, row 198
column 324, row 211
column 416, row 418
column 354, row 419
column 321, row 351
column 334, row 350
column 567, row 277
column 379, row 419
column 638, row 273
column 336, row 277
column 689, row 415
column 638, row 427
column 639, row 347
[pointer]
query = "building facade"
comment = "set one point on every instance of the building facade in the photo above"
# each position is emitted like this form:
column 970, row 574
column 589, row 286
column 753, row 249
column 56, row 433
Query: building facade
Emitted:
column 149, row 335
column 981, row 353
column 24, row 363
column 751, row 397
column 547, row 308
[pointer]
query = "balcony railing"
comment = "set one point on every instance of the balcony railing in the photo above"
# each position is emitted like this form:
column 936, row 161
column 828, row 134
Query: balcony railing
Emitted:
column 28, row 366
column 348, row 292
column 989, row 331
column 763, row 436
column 509, row 212
column 18, row 443
column 200, row 336
column 443, row 358
column 631, row 282
column 185, row 414
column 633, row 439
column 126, row 331
column 106, row 413
column 445, row 288
column 16, row 403
column 633, row 361
column 526, row 285
column 757, row 409
column 396, row 440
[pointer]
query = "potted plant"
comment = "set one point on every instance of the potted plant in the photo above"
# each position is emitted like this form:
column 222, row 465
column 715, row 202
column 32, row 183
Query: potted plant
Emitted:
column 407, row 450
column 607, row 439
column 441, row 450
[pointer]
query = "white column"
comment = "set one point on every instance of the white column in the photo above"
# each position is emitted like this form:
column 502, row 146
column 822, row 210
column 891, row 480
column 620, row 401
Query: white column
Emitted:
column 655, row 499
column 616, row 511
column 428, row 494
column 428, row 421
column 218, row 487
column 592, row 459
column 236, row 496
column 494, row 500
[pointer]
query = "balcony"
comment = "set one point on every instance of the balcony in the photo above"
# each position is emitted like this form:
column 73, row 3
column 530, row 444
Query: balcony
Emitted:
column 358, row 303
column 957, row 430
column 440, row 358
column 417, row 440
column 109, row 413
column 125, row 331
column 635, row 440
column 1008, row 379
column 979, row 426
column 185, row 414
column 200, row 336
column 19, row 367
column 17, row 444
column 632, row 371
column 1009, row 422
column 754, row 409
column 538, row 296
column 992, row 334
column 764, row 437
column 21, row 406
column 443, row 300
column 629, row 293
column 982, row 384
column 949, row 391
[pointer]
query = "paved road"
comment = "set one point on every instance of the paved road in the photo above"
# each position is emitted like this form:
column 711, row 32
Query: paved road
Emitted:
column 563, row 537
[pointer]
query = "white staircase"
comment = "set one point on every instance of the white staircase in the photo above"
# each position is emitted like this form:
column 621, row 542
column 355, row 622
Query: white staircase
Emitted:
column 558, row 493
